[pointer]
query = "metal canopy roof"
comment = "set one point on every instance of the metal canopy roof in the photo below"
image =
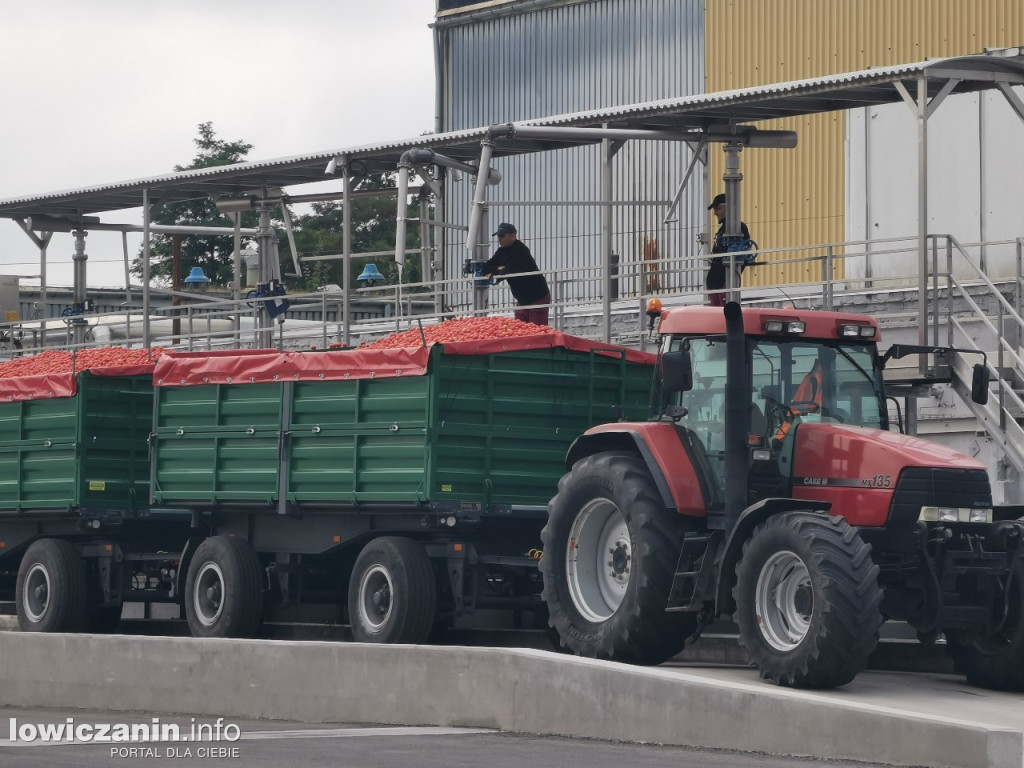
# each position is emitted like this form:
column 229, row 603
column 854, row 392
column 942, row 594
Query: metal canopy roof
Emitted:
column 693, row 113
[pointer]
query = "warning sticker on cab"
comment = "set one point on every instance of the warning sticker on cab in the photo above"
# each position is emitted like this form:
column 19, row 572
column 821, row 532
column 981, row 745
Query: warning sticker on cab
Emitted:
column 97, row 485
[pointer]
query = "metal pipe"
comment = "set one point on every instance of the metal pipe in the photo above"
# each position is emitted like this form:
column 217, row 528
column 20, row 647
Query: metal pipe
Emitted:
column 737, row 415
column 146, row 249
column 922, row 215
column 264, row 244
column 346, row 249
column 236, row 280
column 404, row 168
column 45, row 225
column 79, row 258
column 607, row 153
column 682, row 184
column 480, row 194
column 747, row 136
column 732, row 178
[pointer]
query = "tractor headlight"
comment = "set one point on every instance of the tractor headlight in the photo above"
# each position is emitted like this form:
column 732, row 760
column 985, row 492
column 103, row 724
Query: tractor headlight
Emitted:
column 955, row 515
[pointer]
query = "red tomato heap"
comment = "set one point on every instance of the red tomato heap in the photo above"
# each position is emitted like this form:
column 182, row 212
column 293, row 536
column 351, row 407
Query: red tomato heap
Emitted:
column 460, row 329
column 59, row 361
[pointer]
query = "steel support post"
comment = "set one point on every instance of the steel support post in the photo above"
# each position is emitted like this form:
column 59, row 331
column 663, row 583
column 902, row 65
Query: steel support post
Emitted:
column 146, row 250
column 236, row 279
column 346, row 250
column 265, row 246
column 80, row 258
column 733, row 204
column 922, row 218
column 481, row 252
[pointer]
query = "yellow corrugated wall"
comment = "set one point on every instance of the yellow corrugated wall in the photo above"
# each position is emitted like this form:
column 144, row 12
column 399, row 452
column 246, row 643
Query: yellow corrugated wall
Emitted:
column 795, row 197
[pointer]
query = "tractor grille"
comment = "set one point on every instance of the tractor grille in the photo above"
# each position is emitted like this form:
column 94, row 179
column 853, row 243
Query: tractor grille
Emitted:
column 926, row 486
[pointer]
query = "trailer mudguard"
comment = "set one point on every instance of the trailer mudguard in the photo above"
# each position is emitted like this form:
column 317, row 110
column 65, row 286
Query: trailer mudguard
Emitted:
column 665, row 453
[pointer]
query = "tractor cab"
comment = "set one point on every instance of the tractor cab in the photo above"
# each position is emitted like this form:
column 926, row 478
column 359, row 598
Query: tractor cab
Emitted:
column 792, row 378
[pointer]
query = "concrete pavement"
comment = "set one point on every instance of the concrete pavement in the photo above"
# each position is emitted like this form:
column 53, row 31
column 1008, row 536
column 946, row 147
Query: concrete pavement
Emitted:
column 875, row 719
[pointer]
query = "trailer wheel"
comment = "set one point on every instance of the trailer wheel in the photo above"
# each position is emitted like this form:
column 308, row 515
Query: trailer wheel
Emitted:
column 995, row 661
column 807, row 600
column 51, row 588
column 224, row 589
column 610, row 550
column 392, row 595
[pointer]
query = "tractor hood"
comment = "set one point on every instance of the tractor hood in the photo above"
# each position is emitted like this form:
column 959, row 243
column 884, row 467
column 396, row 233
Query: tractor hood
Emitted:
column 857, row 470
column 840, row 451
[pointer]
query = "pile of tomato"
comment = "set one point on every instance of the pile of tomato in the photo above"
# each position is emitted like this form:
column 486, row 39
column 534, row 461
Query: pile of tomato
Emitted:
column 59, row 361
column 460, row 329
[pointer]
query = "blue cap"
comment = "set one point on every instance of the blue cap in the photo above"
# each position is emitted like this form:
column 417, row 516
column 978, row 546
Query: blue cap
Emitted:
column 504, row 229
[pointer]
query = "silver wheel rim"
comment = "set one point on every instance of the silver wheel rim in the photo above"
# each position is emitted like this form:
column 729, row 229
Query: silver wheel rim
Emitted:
column 375, row 598
column 598, row 560
column 208, row 596
column 36, row 598
column 784, row 600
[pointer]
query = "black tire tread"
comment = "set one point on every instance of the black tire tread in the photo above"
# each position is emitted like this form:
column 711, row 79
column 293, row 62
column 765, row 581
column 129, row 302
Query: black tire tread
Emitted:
column 67, row 602
column 243, row 588
column 641, row 631
column 844, row 632
column 996, row 666
column 416, row 610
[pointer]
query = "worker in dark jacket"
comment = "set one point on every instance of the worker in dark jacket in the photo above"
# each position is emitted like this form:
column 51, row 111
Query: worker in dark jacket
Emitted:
column 716, row 271
column 508, row 263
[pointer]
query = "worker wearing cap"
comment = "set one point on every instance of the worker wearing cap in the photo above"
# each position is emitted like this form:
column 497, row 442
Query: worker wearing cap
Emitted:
column 509, row 262
column 716, row 271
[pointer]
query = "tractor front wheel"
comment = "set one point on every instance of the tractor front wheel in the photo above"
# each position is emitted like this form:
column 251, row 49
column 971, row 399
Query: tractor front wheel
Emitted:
column 996, row 660
column 807, row 600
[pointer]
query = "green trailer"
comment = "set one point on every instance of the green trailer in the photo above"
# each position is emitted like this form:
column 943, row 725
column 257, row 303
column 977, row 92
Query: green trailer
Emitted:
column 74, row 498
column 413, row 481
column 396, row 490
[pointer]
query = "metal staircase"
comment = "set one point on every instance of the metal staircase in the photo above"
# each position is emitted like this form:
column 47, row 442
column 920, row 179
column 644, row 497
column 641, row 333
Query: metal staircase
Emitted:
column 1002, row 417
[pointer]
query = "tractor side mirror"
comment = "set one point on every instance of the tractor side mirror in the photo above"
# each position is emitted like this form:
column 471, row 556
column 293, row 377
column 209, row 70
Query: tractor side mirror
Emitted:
column 676, row 371
column 979, row 384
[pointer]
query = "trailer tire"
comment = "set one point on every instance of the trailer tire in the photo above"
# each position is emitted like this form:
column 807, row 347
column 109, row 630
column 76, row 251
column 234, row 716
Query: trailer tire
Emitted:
column 608, row 501
column 807, row 600
column 392, row 594
column 224, row 589
column 51, row 588
column 997, row 661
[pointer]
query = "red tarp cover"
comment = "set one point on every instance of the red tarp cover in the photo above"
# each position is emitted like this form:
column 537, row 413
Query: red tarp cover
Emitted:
column 263, row 365
column 49, row 385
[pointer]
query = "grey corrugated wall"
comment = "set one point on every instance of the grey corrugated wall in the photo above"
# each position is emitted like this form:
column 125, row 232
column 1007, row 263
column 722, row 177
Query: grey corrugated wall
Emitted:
column 527, row 60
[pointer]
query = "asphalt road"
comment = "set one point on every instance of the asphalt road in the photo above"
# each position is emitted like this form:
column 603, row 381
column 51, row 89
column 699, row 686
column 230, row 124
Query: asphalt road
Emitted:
column 264, row 744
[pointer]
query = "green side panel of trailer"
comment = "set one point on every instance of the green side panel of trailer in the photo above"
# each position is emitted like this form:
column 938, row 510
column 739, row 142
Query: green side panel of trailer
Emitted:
column 479, row 429
column 217, row 442
column 88, row 452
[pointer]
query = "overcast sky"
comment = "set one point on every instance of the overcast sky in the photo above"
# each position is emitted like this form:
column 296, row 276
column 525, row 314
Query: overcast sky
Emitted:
column 111, row 90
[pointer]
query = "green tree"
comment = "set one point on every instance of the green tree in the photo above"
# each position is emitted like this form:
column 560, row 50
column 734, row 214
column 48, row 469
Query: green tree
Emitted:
column 373, row 229
column 210, row 252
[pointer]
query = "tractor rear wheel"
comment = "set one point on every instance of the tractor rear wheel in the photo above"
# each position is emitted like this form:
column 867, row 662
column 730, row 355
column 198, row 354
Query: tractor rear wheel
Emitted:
column 807, row 600
column 610, row 550
column 995, row 661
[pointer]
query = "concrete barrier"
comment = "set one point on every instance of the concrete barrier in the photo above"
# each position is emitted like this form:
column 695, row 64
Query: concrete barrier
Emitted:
column 518, row 690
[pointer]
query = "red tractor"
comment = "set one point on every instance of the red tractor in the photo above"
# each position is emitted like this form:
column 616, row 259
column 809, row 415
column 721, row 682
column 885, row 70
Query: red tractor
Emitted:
column 767, row 487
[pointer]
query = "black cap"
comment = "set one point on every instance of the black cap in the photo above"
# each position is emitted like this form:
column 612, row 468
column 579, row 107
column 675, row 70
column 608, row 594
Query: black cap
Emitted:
column 504, row 229
column 719, row 200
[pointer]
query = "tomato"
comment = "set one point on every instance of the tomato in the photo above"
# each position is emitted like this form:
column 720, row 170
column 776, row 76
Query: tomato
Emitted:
column 53, row 361
column 460, row 329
